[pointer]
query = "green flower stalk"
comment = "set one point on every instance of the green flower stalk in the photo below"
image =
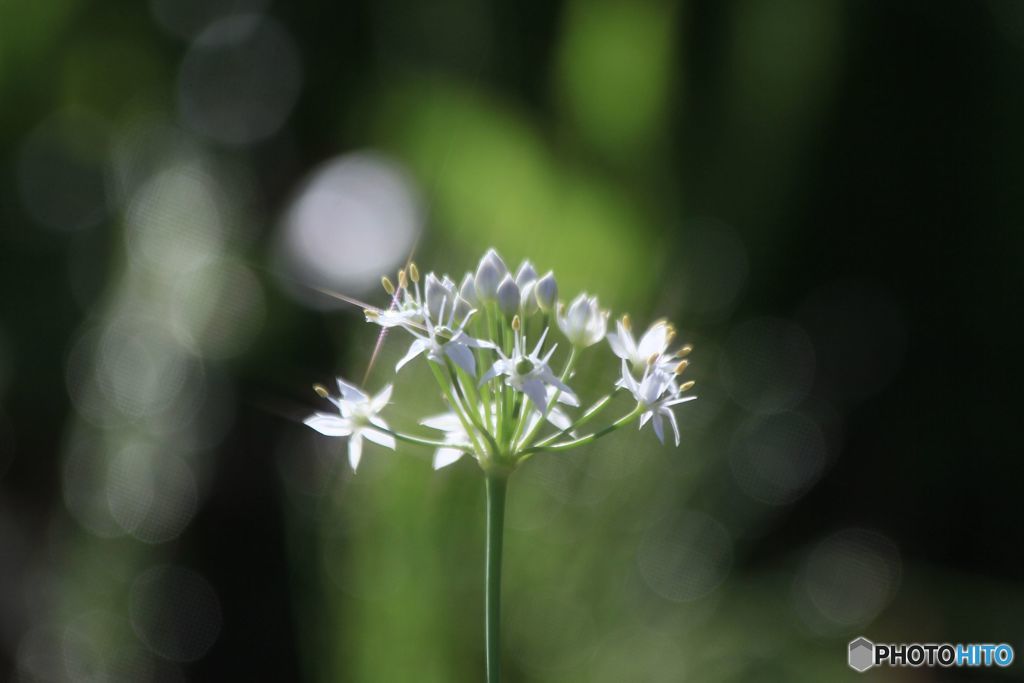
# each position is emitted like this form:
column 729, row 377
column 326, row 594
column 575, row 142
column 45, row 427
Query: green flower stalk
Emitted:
column 486, row 341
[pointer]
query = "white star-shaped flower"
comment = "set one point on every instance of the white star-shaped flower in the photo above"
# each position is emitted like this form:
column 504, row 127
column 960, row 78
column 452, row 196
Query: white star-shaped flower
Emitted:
column 530, row 373
column 357, row 418
column 655, row 393
column 654, row 342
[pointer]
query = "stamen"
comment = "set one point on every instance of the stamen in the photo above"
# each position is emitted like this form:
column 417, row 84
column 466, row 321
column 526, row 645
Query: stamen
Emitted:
column 686, row 386
column 684, row 351
column 321, row 390
column 516, row 325
column 403, row 281
column 652, row 359
column 414, row 272
column 681, row 367
column 670, row 336
column 627, row 323
column 388, row 286
column 371, row 314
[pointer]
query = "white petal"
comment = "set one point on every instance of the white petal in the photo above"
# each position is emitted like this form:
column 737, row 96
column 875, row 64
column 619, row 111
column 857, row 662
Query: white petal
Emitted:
column 655, row 340
column 331, row 425
column 659, row 428
column 381, row 399
column 445, row 422
column 535, row 389
column 380, row 438
column 462, row 357
column 559, row 419
column 355, row 451
column 644, row 418
column 446, row 456
column 350, row 392
column 672, row 421
column 415, row 349
column 493, row 372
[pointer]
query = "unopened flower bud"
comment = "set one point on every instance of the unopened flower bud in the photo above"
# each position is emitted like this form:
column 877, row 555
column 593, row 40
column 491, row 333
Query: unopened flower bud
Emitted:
column 508, row 296
column 546, row 292
column 584, row 323
column 467, row 290
column 489, row 275
column 526, row 274
column 435, row 295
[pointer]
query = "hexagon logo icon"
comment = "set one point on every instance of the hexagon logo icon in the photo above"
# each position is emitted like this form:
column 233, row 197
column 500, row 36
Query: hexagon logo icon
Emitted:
column 862, row 654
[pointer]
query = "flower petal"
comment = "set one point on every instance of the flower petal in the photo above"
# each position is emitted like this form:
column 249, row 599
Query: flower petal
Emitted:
column 355, row 451
column 462, row 357
column 672, row 421
column 381, row 399
column 379, row 438
column 659, row 428
column 415, row 349
column 446, row 456
column 535, row 389
column 328, row 424
column 350, row 392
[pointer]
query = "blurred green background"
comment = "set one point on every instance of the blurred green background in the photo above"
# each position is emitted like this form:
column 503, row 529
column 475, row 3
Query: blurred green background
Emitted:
column 823, row 195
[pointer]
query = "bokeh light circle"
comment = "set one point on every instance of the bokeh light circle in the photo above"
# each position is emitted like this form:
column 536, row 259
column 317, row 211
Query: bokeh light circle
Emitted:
column 767, row 365
column 776, row 458
column 175, row 612
column 62, row 171
column 355, row 218
column 847, row 579
column 685, row 558
column 240, row 79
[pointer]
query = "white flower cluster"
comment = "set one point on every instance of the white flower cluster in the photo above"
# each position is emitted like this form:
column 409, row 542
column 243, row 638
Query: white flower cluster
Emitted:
column 486, row 341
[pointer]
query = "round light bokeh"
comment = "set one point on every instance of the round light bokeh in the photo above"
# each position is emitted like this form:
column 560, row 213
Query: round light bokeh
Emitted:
column 175, row 612
column 776, row 458
column 685, row 558
column 355, row 218
column 152, row 494
column 846, row 581
column 187, row 18
column 713, row 267
column 767, row 365
column 240, row 79
column 62, row 171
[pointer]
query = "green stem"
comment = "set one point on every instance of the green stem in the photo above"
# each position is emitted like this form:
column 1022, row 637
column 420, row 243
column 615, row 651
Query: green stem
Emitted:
column 583, row 440
column 496, row 485
column 408, row 438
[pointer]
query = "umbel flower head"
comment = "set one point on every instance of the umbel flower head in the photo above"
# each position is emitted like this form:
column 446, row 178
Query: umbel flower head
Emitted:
column 504, row 389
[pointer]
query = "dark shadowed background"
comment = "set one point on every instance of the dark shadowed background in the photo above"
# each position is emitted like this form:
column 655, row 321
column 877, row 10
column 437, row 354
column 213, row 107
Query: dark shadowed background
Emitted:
column 826, row 197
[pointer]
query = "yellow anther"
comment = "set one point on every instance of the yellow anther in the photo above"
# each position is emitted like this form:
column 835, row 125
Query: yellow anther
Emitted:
column 652, row 359
column 684, row 351
column 320, row 390
column 414, row 272
column 686, row 386
column 403, row 281
column 389, row 287
column 627, row 323
column 682, row 366
column 516, row 324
